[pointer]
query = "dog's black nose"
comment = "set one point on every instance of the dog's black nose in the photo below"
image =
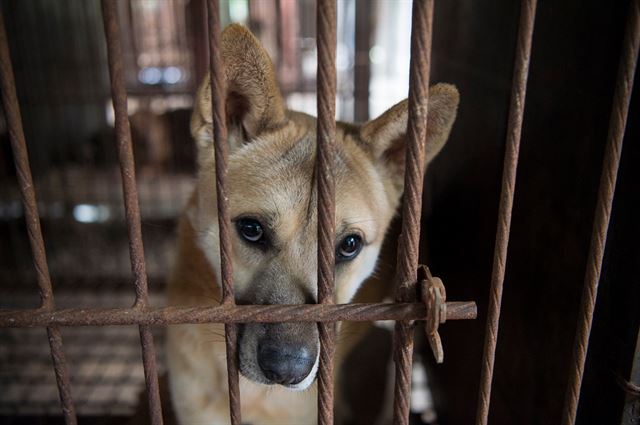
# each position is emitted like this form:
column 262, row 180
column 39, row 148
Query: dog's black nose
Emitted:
column 285, row 364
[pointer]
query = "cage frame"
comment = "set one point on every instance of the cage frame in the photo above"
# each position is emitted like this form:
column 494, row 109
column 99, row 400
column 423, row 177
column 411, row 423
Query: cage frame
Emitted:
column 407, row 310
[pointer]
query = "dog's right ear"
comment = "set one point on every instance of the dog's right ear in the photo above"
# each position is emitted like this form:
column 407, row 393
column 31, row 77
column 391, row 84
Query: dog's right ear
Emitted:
column 253, row 101
column 385, row 136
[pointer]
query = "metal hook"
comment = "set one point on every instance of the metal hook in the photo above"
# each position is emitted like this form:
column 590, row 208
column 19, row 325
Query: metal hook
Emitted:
column 434, row 296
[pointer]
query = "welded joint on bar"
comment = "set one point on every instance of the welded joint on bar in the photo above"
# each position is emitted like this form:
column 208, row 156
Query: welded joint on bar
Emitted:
column 434, row 296
column 141, row 302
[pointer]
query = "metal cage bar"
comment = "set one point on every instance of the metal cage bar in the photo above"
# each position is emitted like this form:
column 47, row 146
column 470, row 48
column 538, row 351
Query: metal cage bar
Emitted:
column 267, row 313
column 326, row 313
column 132, row 208
column 632, row 388
column 408, row 246
column 32, row 218
column 326, row 133
column 606, row 191
column 514, row 133
column 221, row 153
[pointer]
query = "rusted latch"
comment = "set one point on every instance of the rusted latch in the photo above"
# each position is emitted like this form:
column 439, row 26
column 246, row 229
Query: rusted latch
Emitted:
column 434, row 296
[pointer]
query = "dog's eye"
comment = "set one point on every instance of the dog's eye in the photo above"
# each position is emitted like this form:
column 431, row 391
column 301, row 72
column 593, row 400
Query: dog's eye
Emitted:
column 250, row 230
column 349, row 248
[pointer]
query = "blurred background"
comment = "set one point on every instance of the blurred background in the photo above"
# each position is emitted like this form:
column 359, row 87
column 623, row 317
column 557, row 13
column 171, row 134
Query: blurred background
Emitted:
column 59, row 59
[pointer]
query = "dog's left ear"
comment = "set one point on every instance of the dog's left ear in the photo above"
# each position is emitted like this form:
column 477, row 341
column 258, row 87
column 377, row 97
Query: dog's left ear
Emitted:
column 253, row 101
column 385, row 136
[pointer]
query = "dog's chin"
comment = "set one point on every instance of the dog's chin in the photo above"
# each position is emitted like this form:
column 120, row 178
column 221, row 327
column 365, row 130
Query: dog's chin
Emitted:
column 300, row 386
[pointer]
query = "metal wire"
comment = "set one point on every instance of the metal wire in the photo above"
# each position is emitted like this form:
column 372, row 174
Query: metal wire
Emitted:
column 270, row 313
column 32, row 218
column 326, row 133
column 514, row 131
column 132, row 208
column 61, row 371
column 221, row 151
column 632, row 389
column 617, row 124
column 125, row 150
column 408, row 247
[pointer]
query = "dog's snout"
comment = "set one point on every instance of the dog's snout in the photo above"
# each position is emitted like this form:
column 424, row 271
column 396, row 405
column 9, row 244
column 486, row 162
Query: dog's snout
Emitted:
column 286, row 364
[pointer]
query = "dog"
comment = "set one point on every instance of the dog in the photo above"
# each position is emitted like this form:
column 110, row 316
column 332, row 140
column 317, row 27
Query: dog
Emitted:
column 273, row 208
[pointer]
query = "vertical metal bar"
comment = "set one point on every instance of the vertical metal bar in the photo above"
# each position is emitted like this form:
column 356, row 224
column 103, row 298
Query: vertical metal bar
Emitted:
column 512, row 150
column 326, row 133
column 362, row 66
column 224, row 223
column 617, row 124
column 132, row 209
column 408, row 247
column 631, row 410
column 151, row 374
column 23, row 171
column 125, row 149
column 32, row 218
column 62, row 375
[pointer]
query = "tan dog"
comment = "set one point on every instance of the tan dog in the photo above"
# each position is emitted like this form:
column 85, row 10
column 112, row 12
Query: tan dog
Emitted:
column 272, row 201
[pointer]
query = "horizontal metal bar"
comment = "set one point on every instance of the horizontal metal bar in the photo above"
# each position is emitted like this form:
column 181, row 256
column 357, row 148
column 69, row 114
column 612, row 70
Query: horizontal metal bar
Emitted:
column 230, row 314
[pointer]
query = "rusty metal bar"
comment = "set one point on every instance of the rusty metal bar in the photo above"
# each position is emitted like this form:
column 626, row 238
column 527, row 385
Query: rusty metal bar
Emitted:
column 125, row 150
column 62, row 375
column 326, row 80
column 224, row 223
column 514, row 132
column 23, row 171
column 617, row 124
column 408, row 247
column 132, row 209
column 631, row 410
column 362, row 65
column 151, row 374
column 32, row 218
column 230, row 314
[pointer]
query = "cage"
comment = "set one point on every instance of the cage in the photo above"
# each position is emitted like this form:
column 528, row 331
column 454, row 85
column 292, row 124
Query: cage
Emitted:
column 574, row 61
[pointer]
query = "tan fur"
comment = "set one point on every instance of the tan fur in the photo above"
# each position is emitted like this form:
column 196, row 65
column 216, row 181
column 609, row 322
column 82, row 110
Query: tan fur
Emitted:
column 271, row 176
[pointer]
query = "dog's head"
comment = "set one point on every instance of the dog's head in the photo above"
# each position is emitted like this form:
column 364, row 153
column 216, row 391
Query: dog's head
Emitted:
column 272, row 201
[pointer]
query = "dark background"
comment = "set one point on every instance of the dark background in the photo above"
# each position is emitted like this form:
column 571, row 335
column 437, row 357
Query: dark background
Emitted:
column 575, row 54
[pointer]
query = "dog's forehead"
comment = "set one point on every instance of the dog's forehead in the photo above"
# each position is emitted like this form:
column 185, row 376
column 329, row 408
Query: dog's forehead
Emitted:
column 268, row 175
column 277, row 178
